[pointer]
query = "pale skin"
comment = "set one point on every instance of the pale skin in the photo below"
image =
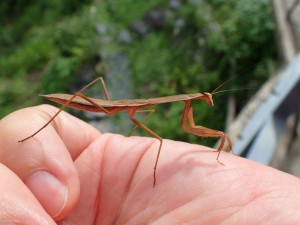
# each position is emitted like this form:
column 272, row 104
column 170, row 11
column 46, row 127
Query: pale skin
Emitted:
column 108, row 179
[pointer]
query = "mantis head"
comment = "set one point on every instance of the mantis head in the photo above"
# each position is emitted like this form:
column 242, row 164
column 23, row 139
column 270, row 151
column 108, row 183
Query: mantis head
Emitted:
column 208, row 98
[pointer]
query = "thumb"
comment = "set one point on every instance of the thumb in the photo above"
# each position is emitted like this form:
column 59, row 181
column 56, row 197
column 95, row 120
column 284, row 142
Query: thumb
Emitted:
column 44, row 162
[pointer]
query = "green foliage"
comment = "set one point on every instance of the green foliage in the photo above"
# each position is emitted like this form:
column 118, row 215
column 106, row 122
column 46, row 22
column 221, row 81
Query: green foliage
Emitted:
column 219, row 40
column 151, row 57
column 29, row 57
column 200, row 45
column 16, row 92
column 74, row 44
column 23, row 16
column 125, row 11
column 44, row 43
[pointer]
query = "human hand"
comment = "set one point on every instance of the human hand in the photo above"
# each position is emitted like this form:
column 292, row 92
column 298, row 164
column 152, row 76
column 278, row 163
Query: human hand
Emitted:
column 69, row 173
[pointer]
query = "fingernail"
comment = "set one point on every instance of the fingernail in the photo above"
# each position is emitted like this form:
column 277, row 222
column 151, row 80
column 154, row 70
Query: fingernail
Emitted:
column 49, row 191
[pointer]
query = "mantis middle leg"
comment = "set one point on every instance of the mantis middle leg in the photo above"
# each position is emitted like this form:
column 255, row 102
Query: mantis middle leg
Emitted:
column 139, row 124
column 149, row 113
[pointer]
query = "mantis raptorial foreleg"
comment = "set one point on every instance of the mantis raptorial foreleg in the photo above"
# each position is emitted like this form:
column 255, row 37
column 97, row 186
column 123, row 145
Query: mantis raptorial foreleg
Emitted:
column 203, row 131
column 139, row 124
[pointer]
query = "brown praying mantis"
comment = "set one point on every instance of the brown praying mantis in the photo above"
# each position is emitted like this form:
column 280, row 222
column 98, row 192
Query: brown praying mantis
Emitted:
column 110, row 107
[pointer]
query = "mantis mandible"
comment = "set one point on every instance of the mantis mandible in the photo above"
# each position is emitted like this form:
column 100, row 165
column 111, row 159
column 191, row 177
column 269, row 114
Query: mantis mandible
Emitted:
column 110, row 107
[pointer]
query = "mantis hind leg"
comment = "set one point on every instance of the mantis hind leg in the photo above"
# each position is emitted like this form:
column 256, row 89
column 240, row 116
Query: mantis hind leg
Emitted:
column 139, row 124
column 203, row 131
column 77, row 94
column 93, row 82
column 104, row 88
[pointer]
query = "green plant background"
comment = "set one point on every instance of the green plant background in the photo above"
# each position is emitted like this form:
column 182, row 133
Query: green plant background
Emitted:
column 46, row 45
